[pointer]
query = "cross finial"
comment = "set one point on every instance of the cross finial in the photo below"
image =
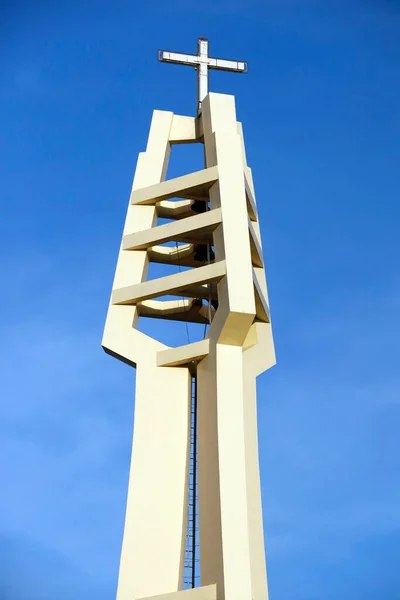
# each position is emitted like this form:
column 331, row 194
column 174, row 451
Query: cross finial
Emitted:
column 202, row 63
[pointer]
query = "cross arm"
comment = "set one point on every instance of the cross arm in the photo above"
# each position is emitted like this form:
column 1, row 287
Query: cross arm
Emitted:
column 228, row 65
column 177, row 58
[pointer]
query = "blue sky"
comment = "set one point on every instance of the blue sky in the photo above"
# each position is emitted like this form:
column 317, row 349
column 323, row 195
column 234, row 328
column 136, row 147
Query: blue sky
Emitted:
column 320, row 107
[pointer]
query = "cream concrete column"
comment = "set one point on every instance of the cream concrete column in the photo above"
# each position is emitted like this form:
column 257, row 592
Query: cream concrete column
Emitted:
column 223, row 513
column 152, row 556
column 230, row 512
column 154, row 534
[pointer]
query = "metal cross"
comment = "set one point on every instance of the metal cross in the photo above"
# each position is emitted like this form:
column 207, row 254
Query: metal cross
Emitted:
column 202, row 63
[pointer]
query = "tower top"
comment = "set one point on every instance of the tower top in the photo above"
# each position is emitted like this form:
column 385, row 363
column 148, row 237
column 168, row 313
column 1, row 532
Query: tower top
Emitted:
column 202, row 63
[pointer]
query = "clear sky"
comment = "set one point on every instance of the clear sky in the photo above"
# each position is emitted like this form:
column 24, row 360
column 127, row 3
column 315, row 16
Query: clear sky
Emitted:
column 320, row 107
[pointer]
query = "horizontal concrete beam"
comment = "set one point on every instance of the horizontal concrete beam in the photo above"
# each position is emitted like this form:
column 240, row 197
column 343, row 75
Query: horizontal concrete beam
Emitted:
column 189, row 310
column 182, row 255
column 255, row 247
column 171, row 284
column 194, row 186
column 262, row 308
column 251, row 202
column 185, row 230
column 174, row 209
column 176, row 357
column 183, row 130
column 205, row 592
column 207, row 291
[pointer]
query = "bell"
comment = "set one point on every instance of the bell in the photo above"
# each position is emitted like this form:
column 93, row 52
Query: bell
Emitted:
column 199, row 206
column 201, row 253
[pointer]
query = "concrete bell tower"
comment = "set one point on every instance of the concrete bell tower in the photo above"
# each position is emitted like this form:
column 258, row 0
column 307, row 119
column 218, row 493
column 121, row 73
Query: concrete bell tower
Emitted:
column 213, row 223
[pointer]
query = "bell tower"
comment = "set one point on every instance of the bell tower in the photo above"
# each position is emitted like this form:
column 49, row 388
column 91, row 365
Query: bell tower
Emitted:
column 213, row 224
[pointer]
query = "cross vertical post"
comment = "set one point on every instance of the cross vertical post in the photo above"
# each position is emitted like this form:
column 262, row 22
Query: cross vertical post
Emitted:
column 202, row 67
